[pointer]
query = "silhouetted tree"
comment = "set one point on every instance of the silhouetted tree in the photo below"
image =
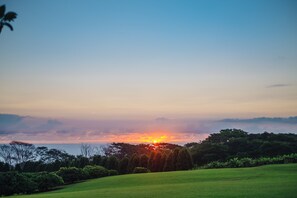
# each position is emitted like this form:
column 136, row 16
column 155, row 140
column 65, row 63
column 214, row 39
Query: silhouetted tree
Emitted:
column 123, row 165
column 133, row 162
column 143, row 161
column 5, row 18
column 4, row 167
column 175, row 154
column 169, row 163
column 163, row 161
column 151, row 161
column 157, row 162
column 96, row 159
column 81, row 161
column 184, row 160
column 112, row 163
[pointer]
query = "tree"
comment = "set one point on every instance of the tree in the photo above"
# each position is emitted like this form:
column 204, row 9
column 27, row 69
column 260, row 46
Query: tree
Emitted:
column 22, row 152
column 163, row 161
column 123, row 165
column 169, row 163
column 5, row 18
column 157, row 163
column 112, row 163
column 133, row 162
column 184, row 160
column 96, row 159
column 4, row 167
column 151, row 161
column 86, row 150
column 143, row 161
column 81, row 161
column 6, row 153
column 175, row 154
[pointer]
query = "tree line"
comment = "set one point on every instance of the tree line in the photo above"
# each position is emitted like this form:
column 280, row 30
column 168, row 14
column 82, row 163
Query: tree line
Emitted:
column 25, row 168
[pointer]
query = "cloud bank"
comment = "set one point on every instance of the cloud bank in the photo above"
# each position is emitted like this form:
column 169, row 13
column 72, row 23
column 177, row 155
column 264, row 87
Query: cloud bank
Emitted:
column 42, row 130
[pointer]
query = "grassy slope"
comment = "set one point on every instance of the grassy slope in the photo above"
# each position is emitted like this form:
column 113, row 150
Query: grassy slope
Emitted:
column 265, row 181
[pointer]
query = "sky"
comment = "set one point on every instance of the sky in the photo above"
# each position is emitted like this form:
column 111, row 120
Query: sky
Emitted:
column 140, row 60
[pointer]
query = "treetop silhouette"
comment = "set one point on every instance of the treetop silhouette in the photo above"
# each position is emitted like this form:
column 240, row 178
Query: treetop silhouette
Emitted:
column 5, row 18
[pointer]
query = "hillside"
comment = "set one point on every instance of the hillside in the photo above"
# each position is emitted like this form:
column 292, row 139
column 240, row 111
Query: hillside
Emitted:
column 264, row 181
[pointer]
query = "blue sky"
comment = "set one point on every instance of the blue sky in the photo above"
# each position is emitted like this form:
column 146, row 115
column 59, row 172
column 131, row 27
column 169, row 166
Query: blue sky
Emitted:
column 146, row 59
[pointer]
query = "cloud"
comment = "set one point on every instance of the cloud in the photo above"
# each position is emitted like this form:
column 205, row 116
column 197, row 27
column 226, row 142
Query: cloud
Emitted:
column 9, row 119
column 278, row 85
column 42, row 130
column 279, row 120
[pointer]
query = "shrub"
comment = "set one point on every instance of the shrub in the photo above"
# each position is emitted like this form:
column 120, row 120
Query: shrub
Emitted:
column 141, row 170
column 112, row 172
column 15, row 183
column 71, row 174
column 95, row 171
column 249, row 162
column 46, row 181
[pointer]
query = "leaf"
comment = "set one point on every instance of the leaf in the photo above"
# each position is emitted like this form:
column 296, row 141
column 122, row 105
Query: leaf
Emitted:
column 2, row 11
column 8, row 25
column 10, row 16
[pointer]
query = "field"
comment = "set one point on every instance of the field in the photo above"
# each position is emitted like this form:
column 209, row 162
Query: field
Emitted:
column 264, row 181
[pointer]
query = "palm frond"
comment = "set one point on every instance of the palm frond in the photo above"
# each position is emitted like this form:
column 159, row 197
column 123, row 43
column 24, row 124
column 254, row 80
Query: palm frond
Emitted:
column 2, row 11
column 8, row 25
column 10, row 16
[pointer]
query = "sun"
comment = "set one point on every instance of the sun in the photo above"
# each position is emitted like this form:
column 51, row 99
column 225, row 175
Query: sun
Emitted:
column 154, row 137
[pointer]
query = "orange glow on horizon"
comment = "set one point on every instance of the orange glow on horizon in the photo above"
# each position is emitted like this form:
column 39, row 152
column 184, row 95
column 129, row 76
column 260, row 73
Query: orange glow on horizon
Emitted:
column 153, row 138
column 133, row 138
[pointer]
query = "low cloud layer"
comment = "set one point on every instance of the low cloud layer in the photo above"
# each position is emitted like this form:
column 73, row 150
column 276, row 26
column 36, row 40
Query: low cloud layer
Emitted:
column 278, row 85
column 40, row 130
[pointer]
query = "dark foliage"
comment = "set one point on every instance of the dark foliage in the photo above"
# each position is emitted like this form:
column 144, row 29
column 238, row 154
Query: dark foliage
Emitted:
column 46, row 181
column 143, row 160
column 169, row 163
column 112, row 172
column 112, row 163
column 26, row 183
column 184, row 160
column 121, row 150
column 71, row 174
column 235, row 143
column 6, row 17
column 123, row 165
column 141, row 170
column 95, row 171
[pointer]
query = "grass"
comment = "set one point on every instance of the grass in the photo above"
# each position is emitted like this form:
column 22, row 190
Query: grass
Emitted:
column 265, row 181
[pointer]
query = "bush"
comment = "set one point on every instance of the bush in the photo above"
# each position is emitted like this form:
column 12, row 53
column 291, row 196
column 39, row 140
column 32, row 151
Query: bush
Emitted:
column 71, row 174
column 141, row 170
column 46, row 181
column 112, row 172
column 249, row 162
column 95, row 171
column 16, row 183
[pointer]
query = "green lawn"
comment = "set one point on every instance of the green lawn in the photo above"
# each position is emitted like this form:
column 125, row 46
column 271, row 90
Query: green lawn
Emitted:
column 265, row 181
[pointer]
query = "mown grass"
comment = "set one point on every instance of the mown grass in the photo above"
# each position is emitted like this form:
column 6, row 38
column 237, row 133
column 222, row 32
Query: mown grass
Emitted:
column 265, row 181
